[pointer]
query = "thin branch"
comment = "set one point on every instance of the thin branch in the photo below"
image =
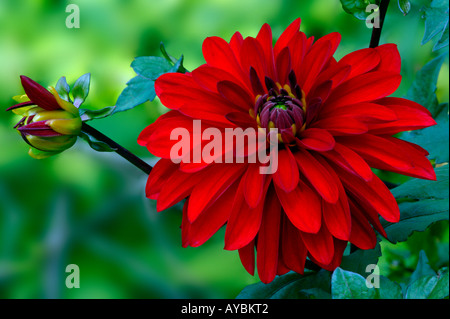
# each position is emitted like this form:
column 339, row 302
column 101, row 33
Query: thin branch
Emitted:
column 126, row 154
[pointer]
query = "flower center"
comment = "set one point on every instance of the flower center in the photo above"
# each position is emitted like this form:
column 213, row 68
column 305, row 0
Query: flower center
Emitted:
column 283, row 107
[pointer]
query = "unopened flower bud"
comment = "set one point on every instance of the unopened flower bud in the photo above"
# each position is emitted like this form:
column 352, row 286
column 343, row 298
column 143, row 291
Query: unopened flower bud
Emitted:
column 49, row 124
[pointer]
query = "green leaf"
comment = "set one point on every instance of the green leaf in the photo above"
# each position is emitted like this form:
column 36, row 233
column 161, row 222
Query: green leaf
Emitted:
column 95, row 144
column 151, row 67
column 443, row 41
column 430, row 286
column 421, row 204
column 404, row 6
column 63, row 89
column 349, row 285
column 423, row 89
column 291, row 286
column 88, row 115
column 436, row 23
column 141, row 88
column 357, row 262
column 423, row 268
column 80, row 89
column 388, row 289
column 357, row 8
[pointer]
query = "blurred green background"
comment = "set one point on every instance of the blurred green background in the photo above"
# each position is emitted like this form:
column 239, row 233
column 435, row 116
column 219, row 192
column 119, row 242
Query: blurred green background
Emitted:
column 89, row 208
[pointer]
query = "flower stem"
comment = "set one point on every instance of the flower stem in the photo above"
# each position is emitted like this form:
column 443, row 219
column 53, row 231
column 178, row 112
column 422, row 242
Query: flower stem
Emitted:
column 126, row 154
column 376, row 32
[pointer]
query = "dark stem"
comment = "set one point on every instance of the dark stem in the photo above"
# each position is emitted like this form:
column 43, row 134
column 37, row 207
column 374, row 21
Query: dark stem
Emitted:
column 126, row 154
column 376, row 32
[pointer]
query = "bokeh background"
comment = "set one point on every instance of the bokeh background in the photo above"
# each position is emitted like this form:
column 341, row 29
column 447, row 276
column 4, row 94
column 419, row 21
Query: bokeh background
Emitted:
column 89, row 208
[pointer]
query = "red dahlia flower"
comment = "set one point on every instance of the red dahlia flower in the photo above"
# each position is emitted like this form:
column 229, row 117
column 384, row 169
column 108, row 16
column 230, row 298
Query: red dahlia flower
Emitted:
column 335, row 122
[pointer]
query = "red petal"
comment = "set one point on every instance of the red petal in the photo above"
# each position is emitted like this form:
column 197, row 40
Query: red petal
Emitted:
column 368, row 113
column 39, row 95
column 319, row 177
column 244, row 222
column 241, row 119
column 373, row 193
column 350, row 161
column 283, row 65
column 339, row 248
column 209, row 189
column 338, row 126
column 365, row 87
column 390, row 58
column 149, row 130
column 247, row 256
column 317, row 58
column 268, row 239
column 207, row 77
column 236, row 95
column 218, row 53
column 298, row 47
column 174, row 89
column 321, row 91
column 336, row 74
column 302, row 206
column 336, row 216
column 252, row 55
column 411, row 116
column 162, row 170
column 264, row 38
column 361, row 61
column 253, row 185
column 320, row 245
column 286, row 36
column 286, row 176
column 185, row 226
column 236, row 44
column 316, row 139
column 293, row 250
column 367, row 212
column 178, row 187
column 214, row 217
column 390, row 154
column 362, row 236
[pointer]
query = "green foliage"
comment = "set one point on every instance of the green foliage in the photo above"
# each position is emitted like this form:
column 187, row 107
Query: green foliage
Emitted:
column 291, row 286
column 421, row 204
column 357, row 8
column 348, row 285
column 425, row 283
column 436, row 23
column 80, row 89
column 141, row 88
column 358, row 261
column 423, row 91
column 95, row 144
column 63, row 89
